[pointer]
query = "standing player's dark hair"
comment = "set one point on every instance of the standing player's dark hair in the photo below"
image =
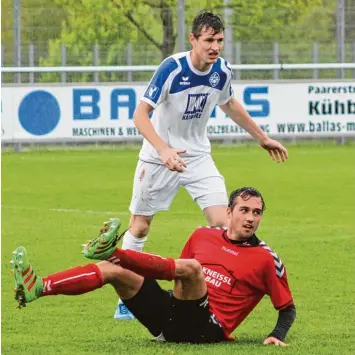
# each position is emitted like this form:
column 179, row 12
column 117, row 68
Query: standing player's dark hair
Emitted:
column 245, row 193
column 208, row 20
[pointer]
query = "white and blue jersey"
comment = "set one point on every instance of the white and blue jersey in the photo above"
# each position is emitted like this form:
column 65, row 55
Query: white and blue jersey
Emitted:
column 183, row 99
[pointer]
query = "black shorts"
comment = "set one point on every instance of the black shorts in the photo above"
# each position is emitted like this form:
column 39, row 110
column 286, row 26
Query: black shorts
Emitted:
column 173, row 319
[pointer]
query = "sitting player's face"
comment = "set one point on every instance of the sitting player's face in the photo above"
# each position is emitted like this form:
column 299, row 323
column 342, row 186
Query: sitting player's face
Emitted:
column 244, row 218
column 208, row 45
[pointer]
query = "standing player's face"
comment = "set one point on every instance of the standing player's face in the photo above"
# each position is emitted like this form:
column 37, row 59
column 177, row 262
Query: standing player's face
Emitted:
column 208, row 45
column 244, row 218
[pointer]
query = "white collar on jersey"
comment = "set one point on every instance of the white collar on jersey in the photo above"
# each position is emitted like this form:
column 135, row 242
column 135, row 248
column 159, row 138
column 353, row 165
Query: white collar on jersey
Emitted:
column 193, row 69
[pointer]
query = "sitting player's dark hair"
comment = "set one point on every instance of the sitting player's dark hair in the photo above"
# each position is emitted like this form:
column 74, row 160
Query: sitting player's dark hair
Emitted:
column 208, row 20
column 245, row 193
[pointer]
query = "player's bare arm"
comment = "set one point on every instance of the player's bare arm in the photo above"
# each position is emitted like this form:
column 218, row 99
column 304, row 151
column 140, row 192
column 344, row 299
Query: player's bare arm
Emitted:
column 169, row 156
column 241, row 117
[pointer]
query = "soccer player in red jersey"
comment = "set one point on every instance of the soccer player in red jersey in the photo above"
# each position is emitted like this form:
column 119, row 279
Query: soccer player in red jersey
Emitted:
column 221, row 275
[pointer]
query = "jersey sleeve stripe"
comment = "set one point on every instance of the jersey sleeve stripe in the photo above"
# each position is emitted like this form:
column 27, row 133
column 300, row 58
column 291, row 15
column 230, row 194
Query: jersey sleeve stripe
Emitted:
column 155, row 86
column 150, row 102
column 225, row 101
column 279, row 268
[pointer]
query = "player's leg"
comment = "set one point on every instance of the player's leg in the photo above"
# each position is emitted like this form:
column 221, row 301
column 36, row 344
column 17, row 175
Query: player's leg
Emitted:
column 74, row 281
column 215, row 215
column 150, row 306
column 154, row 188
column 181, row 315
column 136, row 235
column 190, row 282
column 153, row 266
column 190, row 317
column 81, row 279
column 143, row 297
column 207, row 188
column 125, row 282
column 134, row 238
column 145, row 264
column 189, row 296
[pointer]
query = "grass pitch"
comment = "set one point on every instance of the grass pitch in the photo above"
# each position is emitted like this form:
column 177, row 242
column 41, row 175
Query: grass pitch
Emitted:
column 52, row 201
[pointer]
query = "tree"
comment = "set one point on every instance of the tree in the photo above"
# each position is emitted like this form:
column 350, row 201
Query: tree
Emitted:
column 113, row 24
column 41, row 21
column 350, row 20
column 150, row 26
column 133, row 11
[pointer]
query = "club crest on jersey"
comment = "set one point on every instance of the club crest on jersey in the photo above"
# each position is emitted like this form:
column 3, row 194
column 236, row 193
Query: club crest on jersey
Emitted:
column 195, row 106
column 214, row 79
column 152, row 91
column 185, row 80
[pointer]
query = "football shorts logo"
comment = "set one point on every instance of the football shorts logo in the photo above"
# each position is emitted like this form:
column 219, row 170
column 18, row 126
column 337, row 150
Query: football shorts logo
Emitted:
column 214, row 79
column 195, row 106
column 152, row 91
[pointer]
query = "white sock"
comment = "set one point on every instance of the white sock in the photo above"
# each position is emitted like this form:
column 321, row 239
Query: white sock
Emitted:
column 132, row 242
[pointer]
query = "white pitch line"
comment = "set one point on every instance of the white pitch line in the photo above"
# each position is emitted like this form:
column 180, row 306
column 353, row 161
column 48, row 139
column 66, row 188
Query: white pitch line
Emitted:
column 65, row 210
column 73, row 210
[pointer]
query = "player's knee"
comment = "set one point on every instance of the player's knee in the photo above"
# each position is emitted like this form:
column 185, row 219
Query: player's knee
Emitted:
column 216, row 216
column 140, row 225
column 109, row 271
column 218, row 223
column 191, row 269
column 222, row 224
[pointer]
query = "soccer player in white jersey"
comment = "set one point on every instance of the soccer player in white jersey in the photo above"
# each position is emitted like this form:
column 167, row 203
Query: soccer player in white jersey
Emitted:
column 183, row 92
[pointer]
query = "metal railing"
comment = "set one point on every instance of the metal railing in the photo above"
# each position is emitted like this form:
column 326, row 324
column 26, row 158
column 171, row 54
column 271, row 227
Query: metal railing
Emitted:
column 149, row 68
column 276, row 69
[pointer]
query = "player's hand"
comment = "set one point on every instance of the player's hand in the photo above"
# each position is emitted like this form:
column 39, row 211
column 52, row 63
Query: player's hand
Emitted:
column 171, row 159
column 274, row 341
column 276, row 150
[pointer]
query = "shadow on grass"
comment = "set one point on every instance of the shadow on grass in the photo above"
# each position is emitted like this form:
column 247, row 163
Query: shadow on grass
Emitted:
column 244, row 341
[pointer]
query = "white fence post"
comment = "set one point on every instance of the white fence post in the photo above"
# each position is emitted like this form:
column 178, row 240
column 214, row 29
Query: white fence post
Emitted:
column 31, row 61
column 238, row 59
column 129, row 60
column 315, row 59
column 96, row 62
column 276, row 52
column 63, row 50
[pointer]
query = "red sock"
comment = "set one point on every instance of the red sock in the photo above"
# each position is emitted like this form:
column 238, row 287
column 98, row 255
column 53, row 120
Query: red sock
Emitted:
column 74, row 281
column 148, row 265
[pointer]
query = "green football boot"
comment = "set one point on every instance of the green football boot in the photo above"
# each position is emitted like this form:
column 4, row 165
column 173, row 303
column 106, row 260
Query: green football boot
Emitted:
column 28, row 286
column 104, row 244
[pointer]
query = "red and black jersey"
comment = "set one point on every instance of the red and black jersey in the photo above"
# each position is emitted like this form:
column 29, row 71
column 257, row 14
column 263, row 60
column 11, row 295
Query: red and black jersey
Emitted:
column 237, row 275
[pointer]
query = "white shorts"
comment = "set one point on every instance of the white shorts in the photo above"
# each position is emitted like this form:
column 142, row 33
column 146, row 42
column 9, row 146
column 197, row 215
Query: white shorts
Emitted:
column 155, row 186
